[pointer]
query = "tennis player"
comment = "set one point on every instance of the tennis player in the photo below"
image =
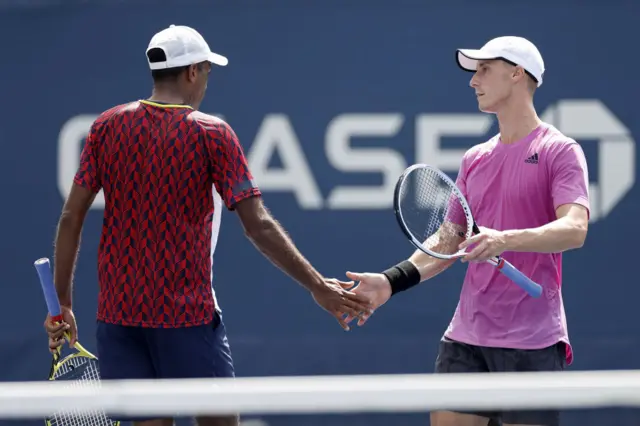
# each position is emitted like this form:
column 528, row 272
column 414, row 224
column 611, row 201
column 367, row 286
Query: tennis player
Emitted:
column 166, row 171
column 528, row 185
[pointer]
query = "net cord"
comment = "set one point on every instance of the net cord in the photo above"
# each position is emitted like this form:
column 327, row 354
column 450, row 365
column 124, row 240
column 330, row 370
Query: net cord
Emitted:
column 328, row 394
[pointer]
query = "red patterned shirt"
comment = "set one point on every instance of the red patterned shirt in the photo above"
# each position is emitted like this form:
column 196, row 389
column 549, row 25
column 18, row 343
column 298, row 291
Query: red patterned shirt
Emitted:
column 165, row 171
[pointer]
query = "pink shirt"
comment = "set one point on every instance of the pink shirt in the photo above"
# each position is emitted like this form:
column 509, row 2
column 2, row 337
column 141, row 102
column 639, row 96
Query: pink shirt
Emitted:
column 518, row 186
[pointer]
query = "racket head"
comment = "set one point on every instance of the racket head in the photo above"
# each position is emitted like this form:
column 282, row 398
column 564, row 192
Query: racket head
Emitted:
column 78, row 368
column 432, row 211
column 70, row 364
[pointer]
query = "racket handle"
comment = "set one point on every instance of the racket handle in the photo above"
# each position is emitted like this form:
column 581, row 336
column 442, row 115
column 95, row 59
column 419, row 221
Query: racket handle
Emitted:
column 48, row 288
column 532, row 288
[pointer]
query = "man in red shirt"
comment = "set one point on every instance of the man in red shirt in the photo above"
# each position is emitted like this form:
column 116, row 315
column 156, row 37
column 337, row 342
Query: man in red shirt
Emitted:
column 166, row 170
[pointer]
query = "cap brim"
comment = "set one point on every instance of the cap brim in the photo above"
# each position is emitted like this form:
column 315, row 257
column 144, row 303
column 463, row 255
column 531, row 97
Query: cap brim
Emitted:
column 467, row 59
column 217, row 59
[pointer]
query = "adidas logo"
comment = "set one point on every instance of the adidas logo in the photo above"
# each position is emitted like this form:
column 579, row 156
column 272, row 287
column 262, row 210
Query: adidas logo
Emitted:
column 533, row 159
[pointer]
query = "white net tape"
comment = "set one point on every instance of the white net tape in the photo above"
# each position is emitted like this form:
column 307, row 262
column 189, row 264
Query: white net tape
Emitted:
column 329, row 394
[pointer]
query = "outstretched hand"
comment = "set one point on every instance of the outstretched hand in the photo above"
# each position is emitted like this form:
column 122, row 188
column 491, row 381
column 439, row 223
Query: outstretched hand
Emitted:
column 335, row 298
column 374, row 287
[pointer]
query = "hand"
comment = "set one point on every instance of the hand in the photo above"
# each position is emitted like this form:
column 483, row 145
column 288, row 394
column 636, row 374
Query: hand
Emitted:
column 375, row 287
column 490, row 243
column 56, row 331
column 338, row 301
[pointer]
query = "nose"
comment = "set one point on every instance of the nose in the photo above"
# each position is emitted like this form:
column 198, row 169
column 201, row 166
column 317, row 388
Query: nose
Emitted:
column 474, row 81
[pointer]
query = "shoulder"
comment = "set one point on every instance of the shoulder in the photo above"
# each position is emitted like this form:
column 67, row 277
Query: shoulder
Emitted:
column 481, row 149
column 106, row 117
column 551, row 139
column 212, row 126
column 557, row 147
column 478, row 151
column 119, row 110
column 217, row 134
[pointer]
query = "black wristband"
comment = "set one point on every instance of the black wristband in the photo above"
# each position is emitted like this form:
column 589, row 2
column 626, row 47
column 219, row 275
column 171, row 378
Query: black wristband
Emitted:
column 402, row 276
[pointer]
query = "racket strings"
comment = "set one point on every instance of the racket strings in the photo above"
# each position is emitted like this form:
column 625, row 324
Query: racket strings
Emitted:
column 83, row 372
column 432, row 211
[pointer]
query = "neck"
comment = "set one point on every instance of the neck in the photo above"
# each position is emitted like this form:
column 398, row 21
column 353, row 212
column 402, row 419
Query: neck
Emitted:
column 517, row 120
column 167, row 94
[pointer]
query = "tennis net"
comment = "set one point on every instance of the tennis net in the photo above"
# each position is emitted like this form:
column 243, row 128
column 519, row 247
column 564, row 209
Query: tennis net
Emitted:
column 335, row 395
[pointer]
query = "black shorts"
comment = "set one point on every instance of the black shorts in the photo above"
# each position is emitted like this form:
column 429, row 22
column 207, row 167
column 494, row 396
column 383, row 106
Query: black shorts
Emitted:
column 457, row 357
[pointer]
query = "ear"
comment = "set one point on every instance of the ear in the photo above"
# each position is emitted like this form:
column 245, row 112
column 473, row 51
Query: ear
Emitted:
column 192, row 73
column 519, row 73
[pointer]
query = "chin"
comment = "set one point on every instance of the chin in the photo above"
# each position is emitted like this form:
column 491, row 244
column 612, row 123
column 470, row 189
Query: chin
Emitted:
column 486, row 107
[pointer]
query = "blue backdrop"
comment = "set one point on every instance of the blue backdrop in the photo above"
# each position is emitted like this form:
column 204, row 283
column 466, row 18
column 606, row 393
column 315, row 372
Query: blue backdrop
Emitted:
column 331, row 101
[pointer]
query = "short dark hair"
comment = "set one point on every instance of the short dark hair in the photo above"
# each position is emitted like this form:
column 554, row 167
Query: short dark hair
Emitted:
column 164, row 74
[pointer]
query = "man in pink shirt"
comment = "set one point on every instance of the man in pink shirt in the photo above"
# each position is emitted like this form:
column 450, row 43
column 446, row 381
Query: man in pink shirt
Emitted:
column 528, row 190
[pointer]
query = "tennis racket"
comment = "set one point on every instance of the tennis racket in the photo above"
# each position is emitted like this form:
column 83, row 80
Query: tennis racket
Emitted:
column 435, row 216
column 79, row 368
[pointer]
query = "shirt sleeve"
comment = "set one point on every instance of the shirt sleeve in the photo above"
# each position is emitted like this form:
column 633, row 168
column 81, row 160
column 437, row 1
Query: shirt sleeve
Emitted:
column 230, row 169
column 569, row 176
column 88, row 173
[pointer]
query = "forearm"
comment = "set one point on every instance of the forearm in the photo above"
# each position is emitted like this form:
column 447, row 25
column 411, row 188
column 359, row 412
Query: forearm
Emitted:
column 421, row 266
column 429, row 266
column 275, row 244
column 441, row 242
column 560, row 235
column 66, row 248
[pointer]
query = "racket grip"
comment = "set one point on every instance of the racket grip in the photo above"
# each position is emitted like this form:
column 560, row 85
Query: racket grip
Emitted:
column 48, row 288
column 532, row 288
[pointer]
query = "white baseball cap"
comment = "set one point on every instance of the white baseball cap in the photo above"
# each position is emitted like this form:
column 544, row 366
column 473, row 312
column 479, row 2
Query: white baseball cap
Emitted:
column 516, row 50
column 182, row 46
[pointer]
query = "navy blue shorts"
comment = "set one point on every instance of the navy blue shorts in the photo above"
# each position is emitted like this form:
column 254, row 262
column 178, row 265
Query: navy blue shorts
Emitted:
column 163, row 353
column 458, row 357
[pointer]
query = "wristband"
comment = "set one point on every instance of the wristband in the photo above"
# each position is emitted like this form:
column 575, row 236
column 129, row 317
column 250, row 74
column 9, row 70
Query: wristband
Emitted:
column 402, row 276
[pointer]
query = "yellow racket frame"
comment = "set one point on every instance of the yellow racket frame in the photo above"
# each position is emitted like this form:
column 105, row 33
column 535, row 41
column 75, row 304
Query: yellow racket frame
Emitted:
column 57, row 363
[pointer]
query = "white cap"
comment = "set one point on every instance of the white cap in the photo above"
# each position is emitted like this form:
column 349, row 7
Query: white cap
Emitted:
column 517, row 50
column 182, row 46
